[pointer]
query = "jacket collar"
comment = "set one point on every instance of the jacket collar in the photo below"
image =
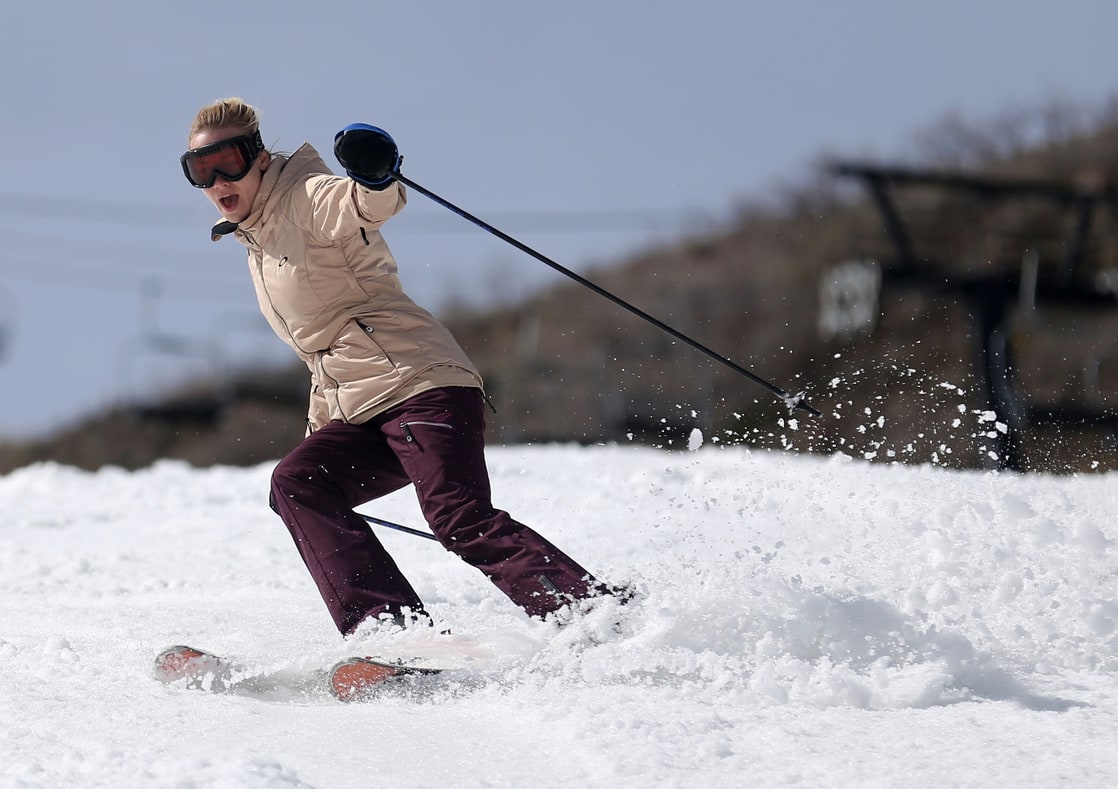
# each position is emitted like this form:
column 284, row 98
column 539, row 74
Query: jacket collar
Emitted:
column 278, row 178
column 267, row 185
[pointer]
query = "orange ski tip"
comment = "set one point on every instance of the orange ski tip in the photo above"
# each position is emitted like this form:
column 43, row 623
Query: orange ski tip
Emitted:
column 352, row 678
column 179, row 661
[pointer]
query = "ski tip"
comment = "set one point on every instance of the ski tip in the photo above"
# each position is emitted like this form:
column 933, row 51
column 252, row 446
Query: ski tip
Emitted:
column 355, row 678
column 182, row 662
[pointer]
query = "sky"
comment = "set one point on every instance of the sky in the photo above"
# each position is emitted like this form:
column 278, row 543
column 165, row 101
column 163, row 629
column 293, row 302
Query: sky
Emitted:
column 587, row 130
column 800, row 621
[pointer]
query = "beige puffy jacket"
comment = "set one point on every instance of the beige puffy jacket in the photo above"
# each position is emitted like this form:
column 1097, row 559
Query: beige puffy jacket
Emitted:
column 327, row 284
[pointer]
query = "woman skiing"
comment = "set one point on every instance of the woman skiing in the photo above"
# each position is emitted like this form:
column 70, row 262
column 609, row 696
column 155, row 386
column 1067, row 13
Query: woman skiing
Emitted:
column 393, row 400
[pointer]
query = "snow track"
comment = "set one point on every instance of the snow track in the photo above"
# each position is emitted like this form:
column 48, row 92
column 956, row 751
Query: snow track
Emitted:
column 804, row 621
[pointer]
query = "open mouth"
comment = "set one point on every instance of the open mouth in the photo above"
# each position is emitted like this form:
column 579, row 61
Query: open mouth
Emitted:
column 228, row 202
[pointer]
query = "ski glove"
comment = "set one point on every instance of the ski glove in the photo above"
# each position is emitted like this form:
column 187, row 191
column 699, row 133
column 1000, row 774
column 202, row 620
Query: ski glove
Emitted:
column 368, row 154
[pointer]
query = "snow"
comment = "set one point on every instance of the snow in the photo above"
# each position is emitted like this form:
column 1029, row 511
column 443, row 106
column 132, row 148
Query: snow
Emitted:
column 804, row 621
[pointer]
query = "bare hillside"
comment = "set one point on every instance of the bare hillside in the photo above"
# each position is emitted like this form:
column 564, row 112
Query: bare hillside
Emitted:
column 988, row 341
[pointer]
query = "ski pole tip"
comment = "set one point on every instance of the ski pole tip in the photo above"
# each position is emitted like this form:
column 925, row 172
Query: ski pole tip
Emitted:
column 794, row 401
column 809, row 408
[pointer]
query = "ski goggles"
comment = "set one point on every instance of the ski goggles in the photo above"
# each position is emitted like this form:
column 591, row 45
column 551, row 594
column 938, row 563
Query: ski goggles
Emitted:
column 231, row 159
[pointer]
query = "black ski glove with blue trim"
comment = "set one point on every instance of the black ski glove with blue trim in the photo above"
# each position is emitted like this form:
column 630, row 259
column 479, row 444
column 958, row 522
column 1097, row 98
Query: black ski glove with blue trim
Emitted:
column 369, row 155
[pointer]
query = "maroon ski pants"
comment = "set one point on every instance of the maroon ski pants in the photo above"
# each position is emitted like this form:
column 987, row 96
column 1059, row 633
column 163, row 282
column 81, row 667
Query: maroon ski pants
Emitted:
column 434, row 441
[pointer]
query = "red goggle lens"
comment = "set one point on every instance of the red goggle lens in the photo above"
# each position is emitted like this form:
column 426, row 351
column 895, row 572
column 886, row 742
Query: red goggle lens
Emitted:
column 231, row 159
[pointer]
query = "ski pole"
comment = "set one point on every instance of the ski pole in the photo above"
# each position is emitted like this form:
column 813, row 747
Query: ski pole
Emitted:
column 398, row 527
column 792, row 401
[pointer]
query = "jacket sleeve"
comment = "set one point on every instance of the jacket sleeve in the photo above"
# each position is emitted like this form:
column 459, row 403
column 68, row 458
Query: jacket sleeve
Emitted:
column 379, row 207
column 338, row 207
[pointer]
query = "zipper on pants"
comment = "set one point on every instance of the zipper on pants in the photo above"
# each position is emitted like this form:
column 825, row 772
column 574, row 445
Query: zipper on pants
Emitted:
column 410, row 438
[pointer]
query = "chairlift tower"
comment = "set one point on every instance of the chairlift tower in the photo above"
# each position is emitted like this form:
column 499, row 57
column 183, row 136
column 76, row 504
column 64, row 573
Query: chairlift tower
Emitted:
column 1001, row 301
column 154, row 344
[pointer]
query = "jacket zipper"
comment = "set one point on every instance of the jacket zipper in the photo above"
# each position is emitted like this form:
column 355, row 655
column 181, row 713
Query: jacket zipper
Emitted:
column 264, row 287
column 319, row 370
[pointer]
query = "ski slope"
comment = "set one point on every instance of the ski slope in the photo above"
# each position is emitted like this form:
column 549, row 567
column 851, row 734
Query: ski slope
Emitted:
column 804, row 621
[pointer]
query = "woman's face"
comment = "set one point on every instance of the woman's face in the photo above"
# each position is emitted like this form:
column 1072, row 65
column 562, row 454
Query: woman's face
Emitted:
column 233, row 199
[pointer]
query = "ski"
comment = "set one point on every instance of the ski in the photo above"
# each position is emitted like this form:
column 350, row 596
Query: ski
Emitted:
column 357, row 678
column 196, row 667
column 352, row 679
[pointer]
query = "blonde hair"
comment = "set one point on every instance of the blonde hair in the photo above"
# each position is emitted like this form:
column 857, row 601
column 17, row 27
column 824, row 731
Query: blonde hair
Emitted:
column 225, row 113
